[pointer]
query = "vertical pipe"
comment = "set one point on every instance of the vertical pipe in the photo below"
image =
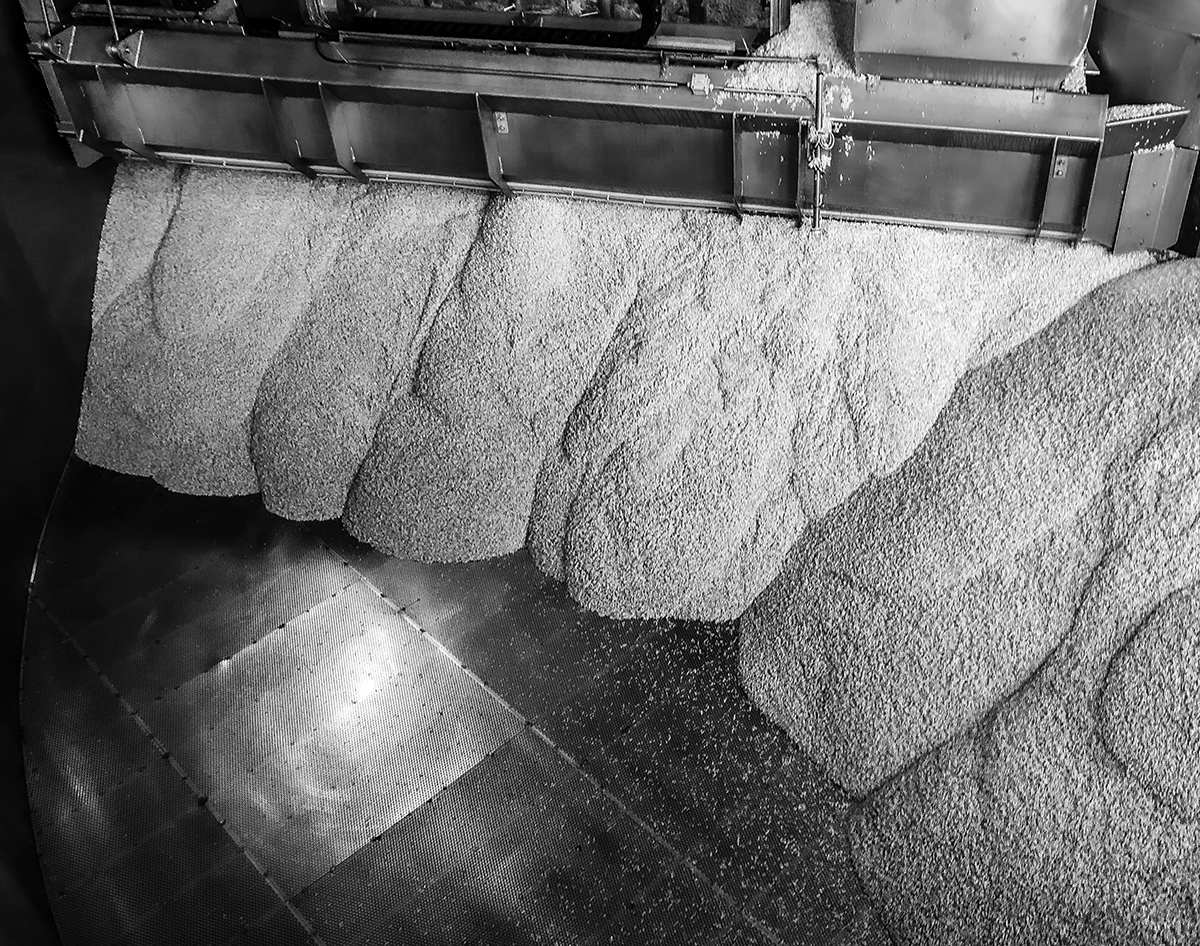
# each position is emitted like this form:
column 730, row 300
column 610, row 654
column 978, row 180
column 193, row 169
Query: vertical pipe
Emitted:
column 738, row 176
column 46, row 19
column 112, row 18
column 819, row 119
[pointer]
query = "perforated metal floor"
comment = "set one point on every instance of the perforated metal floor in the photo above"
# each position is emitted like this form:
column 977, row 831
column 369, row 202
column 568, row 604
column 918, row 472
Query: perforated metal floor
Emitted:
column 242, row 730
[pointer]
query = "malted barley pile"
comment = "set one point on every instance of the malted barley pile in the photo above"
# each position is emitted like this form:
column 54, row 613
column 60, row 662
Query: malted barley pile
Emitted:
column 673, row 395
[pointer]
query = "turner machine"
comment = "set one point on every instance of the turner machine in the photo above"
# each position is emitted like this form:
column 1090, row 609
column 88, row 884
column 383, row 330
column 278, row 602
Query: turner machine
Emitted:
column 948, row 113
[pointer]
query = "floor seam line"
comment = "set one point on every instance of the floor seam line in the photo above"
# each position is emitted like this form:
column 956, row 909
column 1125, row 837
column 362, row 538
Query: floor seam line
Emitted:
column 657, row 837
column 201, row 798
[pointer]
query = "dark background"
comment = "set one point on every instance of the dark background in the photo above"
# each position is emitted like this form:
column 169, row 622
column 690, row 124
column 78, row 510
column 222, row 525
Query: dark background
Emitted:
column 51, row 213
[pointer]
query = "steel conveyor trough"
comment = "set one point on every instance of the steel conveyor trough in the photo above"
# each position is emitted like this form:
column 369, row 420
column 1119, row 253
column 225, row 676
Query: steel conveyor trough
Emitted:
column 666, row 126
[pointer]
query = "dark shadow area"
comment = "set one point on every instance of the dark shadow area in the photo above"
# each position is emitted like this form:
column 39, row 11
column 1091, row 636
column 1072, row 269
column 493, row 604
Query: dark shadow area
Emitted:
column 50, row 218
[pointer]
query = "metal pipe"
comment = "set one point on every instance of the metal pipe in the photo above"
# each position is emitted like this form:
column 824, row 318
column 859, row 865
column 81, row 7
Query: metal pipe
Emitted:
column 680, row 57
column 46, row 19
column 112, row 18
column 819, row 120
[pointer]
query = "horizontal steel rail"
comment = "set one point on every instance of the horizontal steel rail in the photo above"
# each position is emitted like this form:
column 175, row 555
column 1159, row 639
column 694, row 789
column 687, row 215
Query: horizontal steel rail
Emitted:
column 1013, row 161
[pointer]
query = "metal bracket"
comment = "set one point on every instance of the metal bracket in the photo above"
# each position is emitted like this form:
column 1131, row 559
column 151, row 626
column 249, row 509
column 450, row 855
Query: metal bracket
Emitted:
column 1052, row 174
column 58, row 46
column 491, row 144
column 85, row 137
column 128, row 50
column 335, row 117
column 819, row 150
column 1039, row 96
column 285, row 135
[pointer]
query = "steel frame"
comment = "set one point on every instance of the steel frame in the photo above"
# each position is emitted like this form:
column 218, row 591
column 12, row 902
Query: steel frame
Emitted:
column 666, row 132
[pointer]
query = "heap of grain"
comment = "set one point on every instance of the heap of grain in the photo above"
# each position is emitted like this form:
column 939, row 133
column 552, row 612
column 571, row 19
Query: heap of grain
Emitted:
column 996, row 644
column 673, row 395
column 451, row 473
column 357, row 345
column 185, row 331
column 755, row 389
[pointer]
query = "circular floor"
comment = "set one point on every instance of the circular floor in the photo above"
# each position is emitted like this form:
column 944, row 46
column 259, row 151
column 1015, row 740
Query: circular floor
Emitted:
column 239, row 729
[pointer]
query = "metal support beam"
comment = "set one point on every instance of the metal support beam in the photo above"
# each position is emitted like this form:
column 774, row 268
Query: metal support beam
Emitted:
column 285, row 135
column 739, row 181
column 802, row 130
column 491, row 144
column 1091, row 198
column 1054, row 171
column 126, row 114
column 335, row 117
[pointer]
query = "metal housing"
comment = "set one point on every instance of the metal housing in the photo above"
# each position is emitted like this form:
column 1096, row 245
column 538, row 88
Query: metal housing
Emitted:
column 1019, row 43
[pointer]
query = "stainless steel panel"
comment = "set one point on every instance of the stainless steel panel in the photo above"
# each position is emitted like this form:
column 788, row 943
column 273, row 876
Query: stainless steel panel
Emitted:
column 768, row 158
column 739, row 934
column 1141, row 134
column 42, row 633
column 170, row 860
column 1022, row 43
column 1142, row 206
column 522, row 845
column 1175, row 195
column 1016, row 112
column 1066, row 200
column 66, row 769
column 192, row 624
column 62, row 694
column 236, row 123
column 368, row 720
column 112, row 531
column 222, row 905
column 575, row 637
column 337, row 117
column 287, row 138
column 928, row 182
column 95, row 915
column 1108, row 194
column 303, row 116
column 114, row 97
column 107, row 825
column 278, row 928
column 267, row 668
column 417, row 139
column 605, row 155
column 448, row 601
column 1148, row 52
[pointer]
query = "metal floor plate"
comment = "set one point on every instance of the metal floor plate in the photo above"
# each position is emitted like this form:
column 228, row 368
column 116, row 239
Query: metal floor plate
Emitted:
column 241, row 730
